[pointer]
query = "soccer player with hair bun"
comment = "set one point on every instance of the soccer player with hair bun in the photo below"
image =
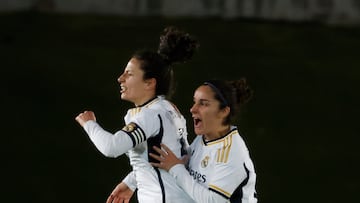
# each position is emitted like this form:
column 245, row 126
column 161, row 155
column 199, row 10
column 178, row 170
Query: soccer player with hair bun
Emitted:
column 147, row 82
column 220, row 169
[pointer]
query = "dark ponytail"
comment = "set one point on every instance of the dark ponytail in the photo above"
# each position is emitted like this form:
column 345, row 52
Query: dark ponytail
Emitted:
column 176, row 46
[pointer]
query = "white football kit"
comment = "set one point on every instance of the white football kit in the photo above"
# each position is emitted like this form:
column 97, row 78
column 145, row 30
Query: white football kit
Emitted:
column 219, row 171
column 155, row 122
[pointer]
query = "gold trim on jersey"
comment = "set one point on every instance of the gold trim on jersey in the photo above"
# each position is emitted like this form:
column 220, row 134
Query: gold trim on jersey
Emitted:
column 151, row 102
column 227, row 194
column 222, row 154
column 222, row 139
column 136, row 110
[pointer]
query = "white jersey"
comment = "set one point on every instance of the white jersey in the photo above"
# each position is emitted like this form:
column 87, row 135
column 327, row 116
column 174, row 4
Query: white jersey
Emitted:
column 219, row 171
column 158, row 121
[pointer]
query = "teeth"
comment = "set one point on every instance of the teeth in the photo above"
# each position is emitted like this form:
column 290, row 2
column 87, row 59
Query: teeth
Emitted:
column 123, row 88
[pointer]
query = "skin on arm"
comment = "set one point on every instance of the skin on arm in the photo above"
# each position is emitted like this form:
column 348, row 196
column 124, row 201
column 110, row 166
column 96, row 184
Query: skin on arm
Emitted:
column 121, row 194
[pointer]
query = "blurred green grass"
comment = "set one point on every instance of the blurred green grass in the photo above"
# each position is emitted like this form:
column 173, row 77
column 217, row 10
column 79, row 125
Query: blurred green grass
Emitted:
column 301, row 126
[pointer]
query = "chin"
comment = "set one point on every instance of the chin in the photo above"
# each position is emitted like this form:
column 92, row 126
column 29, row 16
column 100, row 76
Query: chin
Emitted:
column 123, row 96
column 198, row 132
column 125, row 99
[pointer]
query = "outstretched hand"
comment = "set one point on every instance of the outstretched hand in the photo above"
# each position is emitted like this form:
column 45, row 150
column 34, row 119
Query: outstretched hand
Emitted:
column 82, row 118
column 167, row 159
column 121, row 194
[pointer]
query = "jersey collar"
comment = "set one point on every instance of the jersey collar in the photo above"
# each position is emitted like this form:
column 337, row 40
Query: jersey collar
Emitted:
column 232, row 129
column 148, row 102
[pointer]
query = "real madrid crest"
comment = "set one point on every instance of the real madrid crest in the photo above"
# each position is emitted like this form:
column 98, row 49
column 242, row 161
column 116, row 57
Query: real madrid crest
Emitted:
column 205, row 162
column 129, row 127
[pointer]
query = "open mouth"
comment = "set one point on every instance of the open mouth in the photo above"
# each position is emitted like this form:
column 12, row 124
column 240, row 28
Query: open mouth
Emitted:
column 122, row 89
column 197, row 122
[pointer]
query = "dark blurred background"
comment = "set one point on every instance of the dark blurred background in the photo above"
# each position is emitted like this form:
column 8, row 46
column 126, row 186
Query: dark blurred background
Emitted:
column 301, row 126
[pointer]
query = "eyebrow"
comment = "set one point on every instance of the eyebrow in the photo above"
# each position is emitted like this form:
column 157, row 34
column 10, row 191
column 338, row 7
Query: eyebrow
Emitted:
column 203, row 100
column 129, row 71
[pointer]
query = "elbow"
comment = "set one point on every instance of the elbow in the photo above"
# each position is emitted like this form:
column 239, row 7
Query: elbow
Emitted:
column 109, row 153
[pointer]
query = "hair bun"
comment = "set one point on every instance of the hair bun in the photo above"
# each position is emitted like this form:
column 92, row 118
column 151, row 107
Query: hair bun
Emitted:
column 176, row 46
column 243, row 90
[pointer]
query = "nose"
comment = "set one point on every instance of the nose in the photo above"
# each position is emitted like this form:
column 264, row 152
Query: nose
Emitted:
column 193, row 108
column 120, row 78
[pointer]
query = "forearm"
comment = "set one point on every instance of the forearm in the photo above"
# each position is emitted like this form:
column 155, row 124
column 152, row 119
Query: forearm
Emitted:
column 130, row 181
column 111, row 145
column 196, row 191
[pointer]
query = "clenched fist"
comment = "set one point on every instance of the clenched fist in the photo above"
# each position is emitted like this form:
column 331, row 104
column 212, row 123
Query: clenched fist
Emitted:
column 82, row 118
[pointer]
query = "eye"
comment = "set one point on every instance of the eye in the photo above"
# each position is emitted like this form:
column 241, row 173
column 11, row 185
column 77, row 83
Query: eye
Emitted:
column 129, row 73
column 204, row 103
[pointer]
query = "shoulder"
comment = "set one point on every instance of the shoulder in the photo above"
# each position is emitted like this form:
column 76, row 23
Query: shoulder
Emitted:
column 169, row 109
column 197, row 140
column 239, row 150
column 142, row 112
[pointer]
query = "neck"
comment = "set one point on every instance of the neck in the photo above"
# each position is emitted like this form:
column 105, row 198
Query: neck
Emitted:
column 219, row 133
column 144, row 101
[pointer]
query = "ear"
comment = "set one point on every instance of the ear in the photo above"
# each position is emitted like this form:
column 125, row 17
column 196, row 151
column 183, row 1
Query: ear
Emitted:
column 225, row 111
column 150, row 84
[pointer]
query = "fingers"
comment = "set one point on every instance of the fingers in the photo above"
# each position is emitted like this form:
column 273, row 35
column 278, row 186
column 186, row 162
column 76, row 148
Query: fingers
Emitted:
column 116, row 200
column 82, row 118
column 160, row 151
column 157, row 157
column 78, row 117
column 163, row 153
column 166, row 149
column 158, row 165
column 110, row 199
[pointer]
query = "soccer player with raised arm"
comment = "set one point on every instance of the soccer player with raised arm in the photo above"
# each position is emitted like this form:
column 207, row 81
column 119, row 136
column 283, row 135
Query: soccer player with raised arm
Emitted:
column 145, row 82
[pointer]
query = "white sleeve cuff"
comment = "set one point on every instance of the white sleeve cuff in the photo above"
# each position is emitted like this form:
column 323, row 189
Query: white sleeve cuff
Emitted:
column 88, row 125
column 130, row 181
